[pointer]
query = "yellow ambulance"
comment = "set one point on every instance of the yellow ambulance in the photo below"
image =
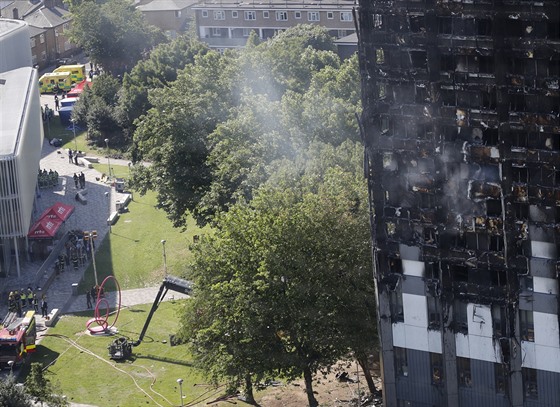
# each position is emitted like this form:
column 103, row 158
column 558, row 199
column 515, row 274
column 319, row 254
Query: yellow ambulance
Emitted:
column 54, row 82
column 77, row 72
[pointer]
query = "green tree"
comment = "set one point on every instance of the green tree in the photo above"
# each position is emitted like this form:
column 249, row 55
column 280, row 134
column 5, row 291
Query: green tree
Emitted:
column 158, row 71
column 41, row 389
column 114, row 33
column 12, row 395
column 283, row 272
column 97, row 109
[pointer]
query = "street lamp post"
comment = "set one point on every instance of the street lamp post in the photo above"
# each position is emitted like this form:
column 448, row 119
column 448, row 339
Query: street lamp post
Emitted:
column 164, row 257
column 90, row 236
column 180, row 381
column 109, row 221
column 108, row 158
column 74, row 131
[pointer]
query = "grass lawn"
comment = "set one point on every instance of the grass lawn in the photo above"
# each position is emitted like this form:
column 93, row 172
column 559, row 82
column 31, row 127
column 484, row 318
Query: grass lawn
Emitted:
column 89, row 376
column 133, row 252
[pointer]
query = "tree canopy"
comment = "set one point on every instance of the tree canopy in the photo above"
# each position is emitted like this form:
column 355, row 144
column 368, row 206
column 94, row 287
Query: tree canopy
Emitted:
column 287, row 275
column 113, row 33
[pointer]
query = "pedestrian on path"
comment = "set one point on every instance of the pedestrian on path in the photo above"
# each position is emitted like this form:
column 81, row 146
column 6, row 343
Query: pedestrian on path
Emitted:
column 44, row 306
column 88, row 299
column 76, row 181
column 56, row 103
column 70, row 156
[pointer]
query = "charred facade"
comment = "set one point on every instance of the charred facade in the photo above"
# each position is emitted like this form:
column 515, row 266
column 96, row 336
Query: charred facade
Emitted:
column 461, row 127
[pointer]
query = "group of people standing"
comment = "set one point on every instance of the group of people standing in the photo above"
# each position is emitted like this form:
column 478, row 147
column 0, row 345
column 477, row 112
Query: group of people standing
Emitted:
column 47, row 178
column 19, row 301
column 73, row 156
column 79, row 180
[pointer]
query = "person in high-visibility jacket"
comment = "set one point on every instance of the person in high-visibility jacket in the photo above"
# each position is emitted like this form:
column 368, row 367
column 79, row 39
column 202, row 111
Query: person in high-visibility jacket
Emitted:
column 23, row 298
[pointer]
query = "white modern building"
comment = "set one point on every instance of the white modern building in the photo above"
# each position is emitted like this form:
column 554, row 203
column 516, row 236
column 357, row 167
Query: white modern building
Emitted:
column 21, row 138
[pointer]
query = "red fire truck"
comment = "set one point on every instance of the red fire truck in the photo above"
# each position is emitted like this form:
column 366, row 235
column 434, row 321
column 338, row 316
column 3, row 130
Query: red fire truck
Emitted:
column 17, row 338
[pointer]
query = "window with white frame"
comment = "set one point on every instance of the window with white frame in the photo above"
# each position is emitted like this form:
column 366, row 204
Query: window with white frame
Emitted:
column 178, row 13
column 205, row 13
column 216, row 32
column 247, row 32
column 345, row 16
column 297, row 15
column 250, row 15
column 33, row 42
column 330, row 15
column 281, row 16
column 266, row 14
column 313, row 16
column 234, row 14
column 65, row 27
column 219, row 15
column 42, row 38
column 44, row 55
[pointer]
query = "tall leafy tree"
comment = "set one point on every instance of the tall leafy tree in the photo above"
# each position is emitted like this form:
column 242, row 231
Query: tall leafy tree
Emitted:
column 113, row 32
column 41, row 389
column 284, row 272
column 12, row 395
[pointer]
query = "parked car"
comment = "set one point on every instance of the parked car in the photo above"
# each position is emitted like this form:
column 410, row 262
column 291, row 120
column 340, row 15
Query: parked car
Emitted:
column 66, row 61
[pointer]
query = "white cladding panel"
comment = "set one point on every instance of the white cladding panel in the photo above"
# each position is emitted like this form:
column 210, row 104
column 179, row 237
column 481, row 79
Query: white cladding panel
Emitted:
column 415, row 310
column 399, row 337
column 479, row 318
column 547, row 358
column 528, row 355
column 434, row 341
column 546, row 329
column 462, row 346
column 416, row 337
column 543, row 249
column 413, row 268
column 545, row 285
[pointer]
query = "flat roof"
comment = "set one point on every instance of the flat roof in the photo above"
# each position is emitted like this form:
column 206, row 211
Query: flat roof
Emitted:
column 281, row 4
column 8, row 25
column 15, row 88
column 166, row 5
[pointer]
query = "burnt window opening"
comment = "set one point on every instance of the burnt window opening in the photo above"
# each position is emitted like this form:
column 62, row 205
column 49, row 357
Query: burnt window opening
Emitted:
column 553, row 30
column 486, row 64
column 496, row 243
column 469, row 99
column 421, row 94
column 431, row 270
column 484, row 27
column 451, row 240
column 493, row 207
column 447, row 62
column 417, row 24
column 520, row 140
column 530, row 383
column 448, row 97
column 396, row 304
column 434, row 313
column 489, row 99
column 526, row 283
column 490, row 137
column 521, row 211
column 418, row 59
column 436, row 365
column 449, row 133
column 500, row 377
column 464, row 372
column 542, row 176
column 498, row 278
column 499, row 323
column 395, row 266
column 517, row 103
column 478, row 241
column 544, row 141
column 554, row 67
column 460, row 317
column 427, row 201
column 381, row 90
column 445, row 25
column 557, row 215
column 384, row 124
column 520, row 174
column 379, row 56
column 430, row 236
column 513, row 28
column 518, row 66
column 401, row 361
column 378, row 22
column 526, row 326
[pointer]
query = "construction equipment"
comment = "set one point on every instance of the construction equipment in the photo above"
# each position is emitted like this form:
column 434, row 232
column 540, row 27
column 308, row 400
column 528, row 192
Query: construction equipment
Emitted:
column 17, row 338
column 121, row 348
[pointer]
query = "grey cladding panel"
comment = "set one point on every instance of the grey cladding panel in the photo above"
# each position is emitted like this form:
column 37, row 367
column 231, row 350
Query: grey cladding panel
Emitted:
column 413, row 285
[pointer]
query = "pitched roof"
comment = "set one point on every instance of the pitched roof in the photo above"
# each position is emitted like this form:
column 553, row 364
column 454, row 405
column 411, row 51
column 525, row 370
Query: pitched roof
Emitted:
column 48, row 17
column 167, row 5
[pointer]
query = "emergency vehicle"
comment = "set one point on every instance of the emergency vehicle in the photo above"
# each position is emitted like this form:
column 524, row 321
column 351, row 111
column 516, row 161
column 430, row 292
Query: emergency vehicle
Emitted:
column 17, row 338
column 77, row 72
column 55, row 82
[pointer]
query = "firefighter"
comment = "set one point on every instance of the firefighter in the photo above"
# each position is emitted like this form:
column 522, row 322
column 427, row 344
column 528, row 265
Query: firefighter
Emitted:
column 35, row 302
column 17, row 300
column 29, row 297
column 23, row 299
column 12, row 302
